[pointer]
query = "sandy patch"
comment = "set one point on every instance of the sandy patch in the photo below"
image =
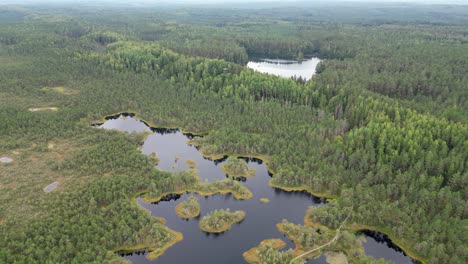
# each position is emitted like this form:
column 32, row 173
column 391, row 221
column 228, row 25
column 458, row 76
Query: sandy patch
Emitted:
column 62, row 90
column 43, row 109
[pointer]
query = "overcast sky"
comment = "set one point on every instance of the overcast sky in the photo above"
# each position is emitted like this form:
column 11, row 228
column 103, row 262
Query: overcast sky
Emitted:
column 231, row 1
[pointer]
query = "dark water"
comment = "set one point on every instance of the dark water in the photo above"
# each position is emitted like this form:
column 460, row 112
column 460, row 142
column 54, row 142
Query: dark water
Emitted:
column 286, row 68
column 261, row 218
column 379, row 245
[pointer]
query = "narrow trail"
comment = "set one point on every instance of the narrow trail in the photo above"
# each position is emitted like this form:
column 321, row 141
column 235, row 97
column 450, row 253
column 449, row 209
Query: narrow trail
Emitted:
column 324, row 245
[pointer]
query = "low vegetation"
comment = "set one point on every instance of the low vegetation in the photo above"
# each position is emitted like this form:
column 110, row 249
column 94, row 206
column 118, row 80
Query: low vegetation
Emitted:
column 187, row 181
column 252, row 255
column 188, row 209
column 191, row 163
column 61, row 90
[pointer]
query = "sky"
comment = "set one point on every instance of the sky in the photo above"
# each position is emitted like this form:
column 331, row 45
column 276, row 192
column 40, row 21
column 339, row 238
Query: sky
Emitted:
column 232, row 1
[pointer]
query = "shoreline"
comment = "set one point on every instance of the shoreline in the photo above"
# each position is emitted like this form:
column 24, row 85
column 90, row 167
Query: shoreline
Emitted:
column 154, row 252
column 266, row 160
column 361, row 227
column 410, row 253
column 251, row 254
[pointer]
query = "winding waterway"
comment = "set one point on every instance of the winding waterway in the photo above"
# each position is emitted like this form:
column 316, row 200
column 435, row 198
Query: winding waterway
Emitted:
column 261, row 218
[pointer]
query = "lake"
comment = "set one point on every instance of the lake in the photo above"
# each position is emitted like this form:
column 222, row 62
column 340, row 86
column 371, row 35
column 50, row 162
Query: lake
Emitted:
column 261, row 218
column 286, row 68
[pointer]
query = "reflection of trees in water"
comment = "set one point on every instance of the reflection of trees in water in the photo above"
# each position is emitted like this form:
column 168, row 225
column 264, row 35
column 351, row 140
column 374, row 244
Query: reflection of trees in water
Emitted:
column 168, row 198
column 164, row 131
column 117, row 116
column 239, row 179
column 218, row 161
column 382, row 238
column 135, row 253
column 304, row 194
column 252, row 160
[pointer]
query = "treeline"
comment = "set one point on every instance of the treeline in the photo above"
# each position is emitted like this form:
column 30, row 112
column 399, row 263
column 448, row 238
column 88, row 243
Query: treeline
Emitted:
column 209, row 48
column 202, row 75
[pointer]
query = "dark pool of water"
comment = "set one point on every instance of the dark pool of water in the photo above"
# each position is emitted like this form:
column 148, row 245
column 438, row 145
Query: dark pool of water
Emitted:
column 379, row 245
column 261, row 218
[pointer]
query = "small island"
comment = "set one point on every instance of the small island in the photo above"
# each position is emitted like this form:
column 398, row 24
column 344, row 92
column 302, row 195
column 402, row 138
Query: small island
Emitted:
column 235, row 167
column 264, row 200
column 191, row 163
column 219, row 221
column 188, row 181
column 188, row 209
column 239, row 190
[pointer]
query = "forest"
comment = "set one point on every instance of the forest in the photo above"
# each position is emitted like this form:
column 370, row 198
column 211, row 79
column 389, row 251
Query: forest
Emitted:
column 381, row 129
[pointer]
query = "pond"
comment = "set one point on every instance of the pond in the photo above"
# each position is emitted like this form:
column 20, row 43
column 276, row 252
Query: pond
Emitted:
column 51, row 187
column 286, row 68
column 261, row 218
column 377, row 245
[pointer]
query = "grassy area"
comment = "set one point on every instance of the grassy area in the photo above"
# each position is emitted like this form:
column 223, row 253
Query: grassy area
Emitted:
column 22, row 181
column 188, row 209
column 62, row 90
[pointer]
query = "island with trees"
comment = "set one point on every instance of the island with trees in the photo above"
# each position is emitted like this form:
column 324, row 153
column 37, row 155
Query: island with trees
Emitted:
column 252, row 255
column 188, row 209
column 191, row 163
column 235, row 167
column 219, row 221
column 188, row 181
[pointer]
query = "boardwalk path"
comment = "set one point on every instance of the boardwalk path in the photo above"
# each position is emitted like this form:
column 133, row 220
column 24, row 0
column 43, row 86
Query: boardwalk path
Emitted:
column 324, row 245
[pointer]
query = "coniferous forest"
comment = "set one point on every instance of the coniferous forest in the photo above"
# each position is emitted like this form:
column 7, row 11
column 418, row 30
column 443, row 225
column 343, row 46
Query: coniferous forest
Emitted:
column 381, row 129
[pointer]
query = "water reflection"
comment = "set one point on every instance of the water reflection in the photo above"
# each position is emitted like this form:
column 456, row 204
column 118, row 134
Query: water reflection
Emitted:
column 379, row 245
column 286, row 68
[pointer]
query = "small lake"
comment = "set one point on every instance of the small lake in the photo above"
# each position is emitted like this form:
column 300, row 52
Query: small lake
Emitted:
column 51, row 187
column 286, row 68
column 261, row 218
column 378, row 245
